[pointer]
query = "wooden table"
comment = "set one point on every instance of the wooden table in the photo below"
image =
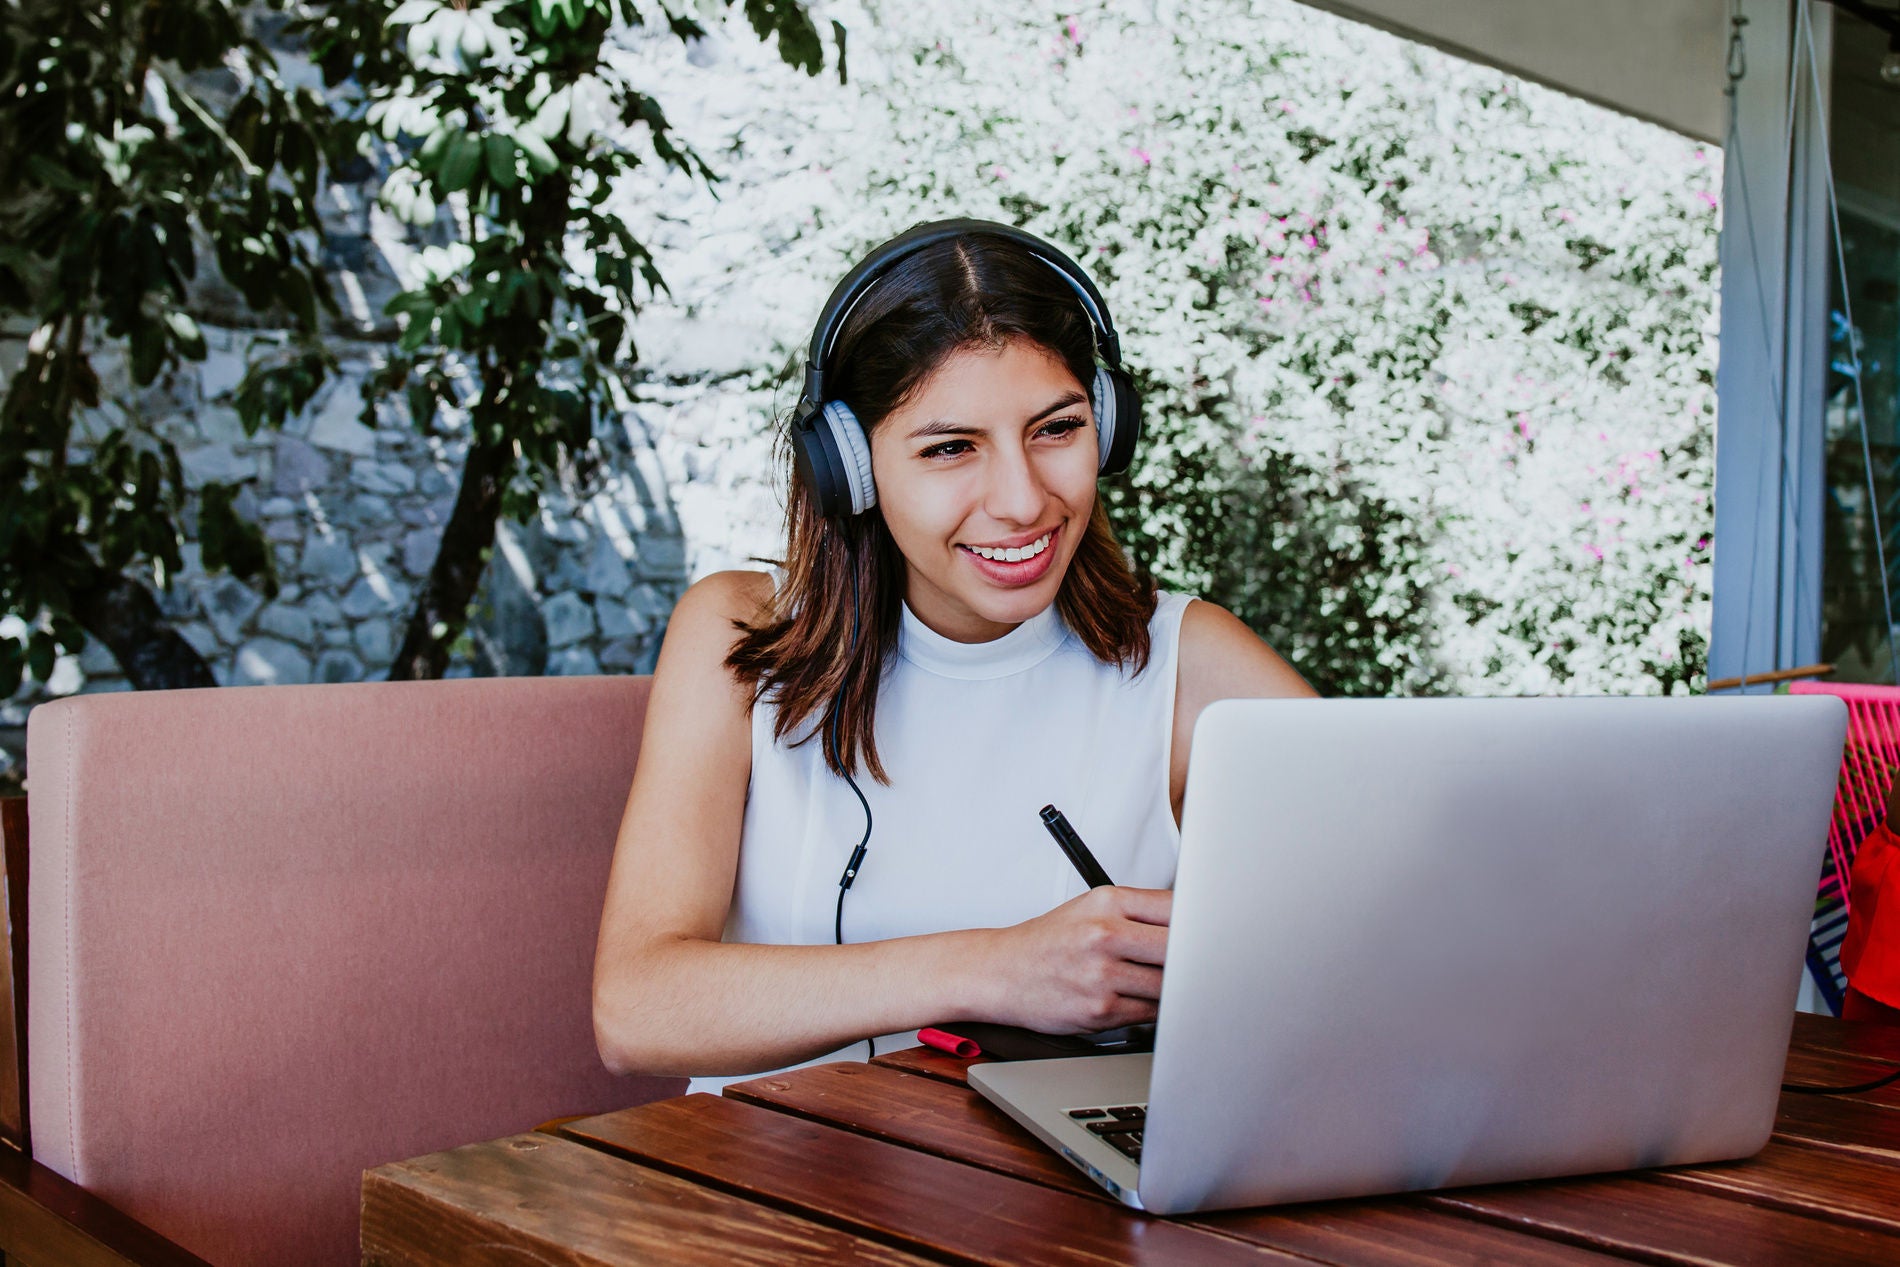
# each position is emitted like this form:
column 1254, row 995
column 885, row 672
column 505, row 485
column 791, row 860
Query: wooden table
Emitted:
column 900, row 1162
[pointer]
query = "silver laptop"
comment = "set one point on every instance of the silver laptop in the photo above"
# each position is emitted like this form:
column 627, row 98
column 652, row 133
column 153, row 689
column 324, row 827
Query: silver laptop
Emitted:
column 1424, row 943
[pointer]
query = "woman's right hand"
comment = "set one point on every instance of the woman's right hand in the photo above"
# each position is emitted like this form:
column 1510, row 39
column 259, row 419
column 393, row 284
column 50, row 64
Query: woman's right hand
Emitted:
column 1092, row 963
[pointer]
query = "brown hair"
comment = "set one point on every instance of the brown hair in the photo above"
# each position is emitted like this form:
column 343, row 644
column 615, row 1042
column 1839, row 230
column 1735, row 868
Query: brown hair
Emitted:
column 972, row 291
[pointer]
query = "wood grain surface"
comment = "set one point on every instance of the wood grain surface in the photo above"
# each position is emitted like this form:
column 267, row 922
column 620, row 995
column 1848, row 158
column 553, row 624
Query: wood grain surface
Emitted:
column 1664, row 1224
column 918, row 1112
column 898, row 1194
column 951, row 1121
column 930, row 1063
column 46, row 1219
column 1807, row 1178
column 898, row 1160
column 539, row 1199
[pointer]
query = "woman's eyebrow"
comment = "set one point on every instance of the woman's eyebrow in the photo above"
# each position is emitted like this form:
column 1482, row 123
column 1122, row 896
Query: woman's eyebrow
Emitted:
column 944, row 427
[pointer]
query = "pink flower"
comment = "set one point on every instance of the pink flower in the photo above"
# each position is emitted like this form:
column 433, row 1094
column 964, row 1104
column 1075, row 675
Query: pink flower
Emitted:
column 1075, row 31
column 1707, row 198
column 1141, row 154
column 1595, row 552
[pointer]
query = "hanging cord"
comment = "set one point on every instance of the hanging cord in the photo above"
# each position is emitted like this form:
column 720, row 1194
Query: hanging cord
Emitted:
column 857, row 855
column 1806, row 32
column 1797, row 1088
column 1733, row 151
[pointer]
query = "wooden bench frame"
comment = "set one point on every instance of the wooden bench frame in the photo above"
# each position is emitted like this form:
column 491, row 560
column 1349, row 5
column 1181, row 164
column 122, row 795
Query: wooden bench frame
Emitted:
column 45, row 1218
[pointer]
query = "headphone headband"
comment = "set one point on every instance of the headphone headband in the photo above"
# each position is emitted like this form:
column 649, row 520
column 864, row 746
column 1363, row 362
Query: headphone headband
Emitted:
column 845, row 295
column 831, row 447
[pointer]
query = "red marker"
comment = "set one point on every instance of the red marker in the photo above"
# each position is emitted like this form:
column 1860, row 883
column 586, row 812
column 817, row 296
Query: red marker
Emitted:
column 955, row 1044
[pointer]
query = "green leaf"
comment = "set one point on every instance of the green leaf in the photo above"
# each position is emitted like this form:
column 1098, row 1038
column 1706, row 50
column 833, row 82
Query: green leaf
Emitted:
column 231, row 543
column 416, row 303
column 471, row 309
column 500, row 152
column 798, row 42
column 415, row 335
column 148, row 351
column 459, row 163
column 186, row 336
column 429, row 157
column 422, row 400
column 40, row 654
column 12, row 666
column 540, row 158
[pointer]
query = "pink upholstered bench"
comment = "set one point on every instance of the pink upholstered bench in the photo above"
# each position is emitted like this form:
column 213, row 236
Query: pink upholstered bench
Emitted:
column 280, row 935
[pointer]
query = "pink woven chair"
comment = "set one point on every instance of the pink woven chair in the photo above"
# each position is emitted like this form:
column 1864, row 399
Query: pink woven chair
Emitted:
column 1868, row 766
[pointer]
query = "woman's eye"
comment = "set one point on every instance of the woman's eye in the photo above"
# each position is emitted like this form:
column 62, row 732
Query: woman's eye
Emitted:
column 948, row 449
column 1063, row 426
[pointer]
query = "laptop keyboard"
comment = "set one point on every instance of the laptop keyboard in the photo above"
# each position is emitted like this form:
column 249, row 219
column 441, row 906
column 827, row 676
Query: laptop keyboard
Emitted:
column 1119, row 1126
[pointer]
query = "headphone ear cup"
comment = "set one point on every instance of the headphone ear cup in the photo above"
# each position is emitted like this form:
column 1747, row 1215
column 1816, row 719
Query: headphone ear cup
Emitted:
column 1118, row 418
column 1102, row 400
column 853, row 448
column 817, row 458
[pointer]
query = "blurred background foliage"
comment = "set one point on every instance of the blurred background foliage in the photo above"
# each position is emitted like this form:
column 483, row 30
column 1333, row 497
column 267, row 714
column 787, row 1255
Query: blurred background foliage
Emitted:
column 138, row 138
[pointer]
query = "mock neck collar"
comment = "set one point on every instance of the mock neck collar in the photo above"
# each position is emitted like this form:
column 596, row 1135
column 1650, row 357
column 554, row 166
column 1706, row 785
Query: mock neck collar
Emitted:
column 1028, row 644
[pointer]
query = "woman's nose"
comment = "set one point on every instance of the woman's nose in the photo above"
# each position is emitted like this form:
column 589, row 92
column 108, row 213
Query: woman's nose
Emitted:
column 1017, row 493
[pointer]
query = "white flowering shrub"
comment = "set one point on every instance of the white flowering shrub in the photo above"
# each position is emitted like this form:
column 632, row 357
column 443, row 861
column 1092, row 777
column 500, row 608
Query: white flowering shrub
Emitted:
column 1427, row 352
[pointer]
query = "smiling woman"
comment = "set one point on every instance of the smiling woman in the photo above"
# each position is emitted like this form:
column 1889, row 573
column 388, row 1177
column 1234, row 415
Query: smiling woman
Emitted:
column 954, row 618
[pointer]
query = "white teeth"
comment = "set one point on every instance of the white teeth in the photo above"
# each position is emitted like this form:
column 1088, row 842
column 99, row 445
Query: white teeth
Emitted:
column 1015, row 554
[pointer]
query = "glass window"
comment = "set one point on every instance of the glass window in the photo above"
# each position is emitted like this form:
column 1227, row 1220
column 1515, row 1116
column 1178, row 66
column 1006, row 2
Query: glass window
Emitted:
column 1864, row 135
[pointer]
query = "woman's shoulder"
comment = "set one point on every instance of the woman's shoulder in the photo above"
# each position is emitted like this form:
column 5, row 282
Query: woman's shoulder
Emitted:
column 719, row 598
column 1221, row 656
column 705, row 624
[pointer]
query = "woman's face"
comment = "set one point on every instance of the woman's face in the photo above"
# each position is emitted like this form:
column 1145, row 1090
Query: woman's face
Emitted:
column 986, row 477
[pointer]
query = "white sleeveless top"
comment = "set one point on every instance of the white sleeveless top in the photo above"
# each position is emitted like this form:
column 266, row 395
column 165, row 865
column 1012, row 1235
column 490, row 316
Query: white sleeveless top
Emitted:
column 976, row 739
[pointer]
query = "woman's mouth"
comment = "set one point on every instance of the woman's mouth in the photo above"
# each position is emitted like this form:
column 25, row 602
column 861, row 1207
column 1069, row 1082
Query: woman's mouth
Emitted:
column 1014, row 565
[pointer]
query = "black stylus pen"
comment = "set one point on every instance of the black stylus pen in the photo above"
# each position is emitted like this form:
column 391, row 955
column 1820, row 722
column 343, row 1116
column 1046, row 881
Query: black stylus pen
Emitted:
column 1078, row 853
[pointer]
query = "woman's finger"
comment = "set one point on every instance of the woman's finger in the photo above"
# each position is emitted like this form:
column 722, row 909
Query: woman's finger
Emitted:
column 1145, row 906
column 1135, row 981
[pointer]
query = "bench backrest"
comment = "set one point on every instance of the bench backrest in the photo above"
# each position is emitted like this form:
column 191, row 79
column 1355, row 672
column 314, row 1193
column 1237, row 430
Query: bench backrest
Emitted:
column 283, row 934
column 13, row 831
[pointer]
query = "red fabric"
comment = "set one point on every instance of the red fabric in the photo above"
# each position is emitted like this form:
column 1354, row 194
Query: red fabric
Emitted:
column 1856, row 1006
column 1870, row 956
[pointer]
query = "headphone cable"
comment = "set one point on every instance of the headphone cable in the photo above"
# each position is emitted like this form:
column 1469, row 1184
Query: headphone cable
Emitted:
column 857, row 855
column 1797, row 1088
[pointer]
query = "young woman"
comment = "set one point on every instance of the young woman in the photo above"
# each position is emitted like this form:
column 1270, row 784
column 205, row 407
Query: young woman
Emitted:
column 833, row 836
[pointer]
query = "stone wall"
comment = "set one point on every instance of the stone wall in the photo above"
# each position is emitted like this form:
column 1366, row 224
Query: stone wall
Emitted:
column 353, row 512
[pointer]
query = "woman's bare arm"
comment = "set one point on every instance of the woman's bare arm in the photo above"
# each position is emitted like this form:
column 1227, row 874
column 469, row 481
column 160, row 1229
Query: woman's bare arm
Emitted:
column 669, row 997
column 1220, row 659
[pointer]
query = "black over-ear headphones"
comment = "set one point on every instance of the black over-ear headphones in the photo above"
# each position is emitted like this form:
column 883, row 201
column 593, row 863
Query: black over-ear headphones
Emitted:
column 828, row 442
